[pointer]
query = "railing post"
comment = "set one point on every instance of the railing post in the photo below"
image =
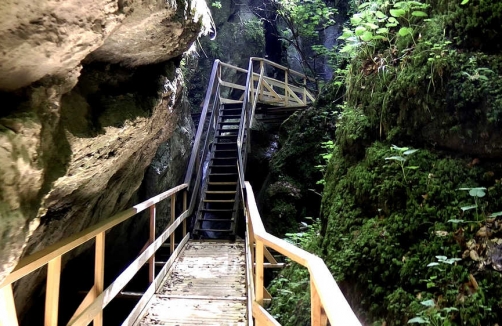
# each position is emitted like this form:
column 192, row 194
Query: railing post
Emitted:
column 151, row 261
column 99, row 272
column 8, row 314
column 286, row 91
column 52, row 292
column 184, row 210
column 173, row 216
column 259, row 272
column 260, row 86
column 318, row 316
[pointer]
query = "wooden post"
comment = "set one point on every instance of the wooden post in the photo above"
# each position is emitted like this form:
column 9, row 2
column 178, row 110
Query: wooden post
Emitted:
column 318, row 316
column 99, row 272
column 173, row 217
column 260, row 86
column 52, row 292
column 8, row 314
column 185, row 193
column 259, row 273
column 286, row 91
column 151, row 261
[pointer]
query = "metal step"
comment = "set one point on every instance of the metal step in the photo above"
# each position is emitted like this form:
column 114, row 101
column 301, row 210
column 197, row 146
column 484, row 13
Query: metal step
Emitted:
column 220, row 192
column 221, row 183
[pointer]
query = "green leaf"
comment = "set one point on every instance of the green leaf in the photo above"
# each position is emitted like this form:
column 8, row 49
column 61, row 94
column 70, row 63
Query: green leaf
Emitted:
column 410, row 151
column 432, row 264
column 403, row 31
column 428, row 303
column 371, row 25
column 413, row 167
column 397, row 12
column 464, row 2
column 360, row 30
column 380, row 15
column 466, row 208
column 455, row 221
column 356, row 20
column 367, row 36
column 495, row 214
column 441, row 257
column 419, row 13
column 396, row 158
column 417, row 320
column 382, row 30
column 477, row 192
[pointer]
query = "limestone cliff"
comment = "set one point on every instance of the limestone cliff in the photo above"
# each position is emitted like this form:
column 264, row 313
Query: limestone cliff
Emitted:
column 88, row 96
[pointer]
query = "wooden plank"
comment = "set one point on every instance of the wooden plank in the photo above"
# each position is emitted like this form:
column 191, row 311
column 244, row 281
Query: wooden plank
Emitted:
column 173, row 217
column 140, row 309
column 262, row 317
column 104, row 298
column 185, row 194
column 91, row 295
column 42, row 257
column 151, row 239
column 271, row 259
column 318, row 317
column 259, row 273
column 8, row 316
column 336, row 306
column 99, row 272
column 52, row 292
column 231, row 85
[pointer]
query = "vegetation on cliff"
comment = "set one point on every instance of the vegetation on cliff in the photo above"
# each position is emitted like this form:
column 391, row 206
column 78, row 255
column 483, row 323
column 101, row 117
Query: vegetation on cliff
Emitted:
column 412, row 236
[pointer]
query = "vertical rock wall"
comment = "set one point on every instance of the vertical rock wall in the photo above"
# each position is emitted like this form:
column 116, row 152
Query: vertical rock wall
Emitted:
column 88, row 96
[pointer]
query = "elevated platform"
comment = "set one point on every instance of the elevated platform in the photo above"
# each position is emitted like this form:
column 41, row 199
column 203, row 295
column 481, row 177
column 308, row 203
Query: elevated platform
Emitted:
column 205, row 286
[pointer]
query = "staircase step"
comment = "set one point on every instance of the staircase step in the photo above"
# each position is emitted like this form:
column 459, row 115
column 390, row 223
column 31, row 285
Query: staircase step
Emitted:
column 229, row 123
column 226, row 136
column 222, row 166
column 227, row 143
column 220, row 192
column 227, row 129
column 220, row 210
column 218, row 174
column 218, row 200
column 226, row 150
column 230, row 116
column 221, row 183
column 224, row 158
column 215, row 230
column 217, row 220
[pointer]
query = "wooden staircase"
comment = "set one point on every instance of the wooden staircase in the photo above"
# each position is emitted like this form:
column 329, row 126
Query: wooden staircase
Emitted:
column 218, row 208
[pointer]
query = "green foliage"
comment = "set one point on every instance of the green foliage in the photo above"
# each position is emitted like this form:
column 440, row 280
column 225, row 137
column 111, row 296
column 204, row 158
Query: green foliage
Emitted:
column 216, row 4
column 401, row 159
column 304, row 20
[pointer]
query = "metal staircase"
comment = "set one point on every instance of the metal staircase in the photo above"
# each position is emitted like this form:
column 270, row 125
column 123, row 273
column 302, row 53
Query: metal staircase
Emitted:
column 218, row 207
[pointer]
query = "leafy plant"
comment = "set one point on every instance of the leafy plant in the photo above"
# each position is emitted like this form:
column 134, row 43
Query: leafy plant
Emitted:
column 329, row 147
column 404, row 152
column 432, row 315
column 476, row 193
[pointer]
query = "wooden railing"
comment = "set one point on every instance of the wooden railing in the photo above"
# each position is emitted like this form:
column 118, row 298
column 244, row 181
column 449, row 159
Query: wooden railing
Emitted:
column 91, row 308
column 327, row 301
column 258, row 88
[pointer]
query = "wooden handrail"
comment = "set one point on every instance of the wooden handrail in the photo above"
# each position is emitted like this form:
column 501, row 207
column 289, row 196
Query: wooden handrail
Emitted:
column 328, row 301
column 94, row 303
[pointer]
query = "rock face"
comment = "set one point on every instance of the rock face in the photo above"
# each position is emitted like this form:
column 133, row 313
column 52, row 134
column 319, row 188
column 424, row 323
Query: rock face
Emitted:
column 76, row 136
column 51, row 37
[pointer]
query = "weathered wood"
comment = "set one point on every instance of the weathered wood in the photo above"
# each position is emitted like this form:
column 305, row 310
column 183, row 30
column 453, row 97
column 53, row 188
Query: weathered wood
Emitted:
column 206, row 287
column 99, row 273
column 52, row 292
column 259, row 272
column 173, row 217
column 317, row 315
column 262, row 317
column 185, row 195
column 139, row 310
column 104, row 298
column 330, row 301
column 151, row 239
column 8, row 316
column 91, row 295
column 42, row 257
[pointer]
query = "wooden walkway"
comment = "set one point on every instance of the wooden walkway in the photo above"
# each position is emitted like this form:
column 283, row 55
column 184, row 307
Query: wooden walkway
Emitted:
column 206, row 286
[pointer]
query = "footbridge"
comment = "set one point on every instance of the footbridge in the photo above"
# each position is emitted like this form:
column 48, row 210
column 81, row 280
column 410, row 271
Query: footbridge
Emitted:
column 209, row 271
